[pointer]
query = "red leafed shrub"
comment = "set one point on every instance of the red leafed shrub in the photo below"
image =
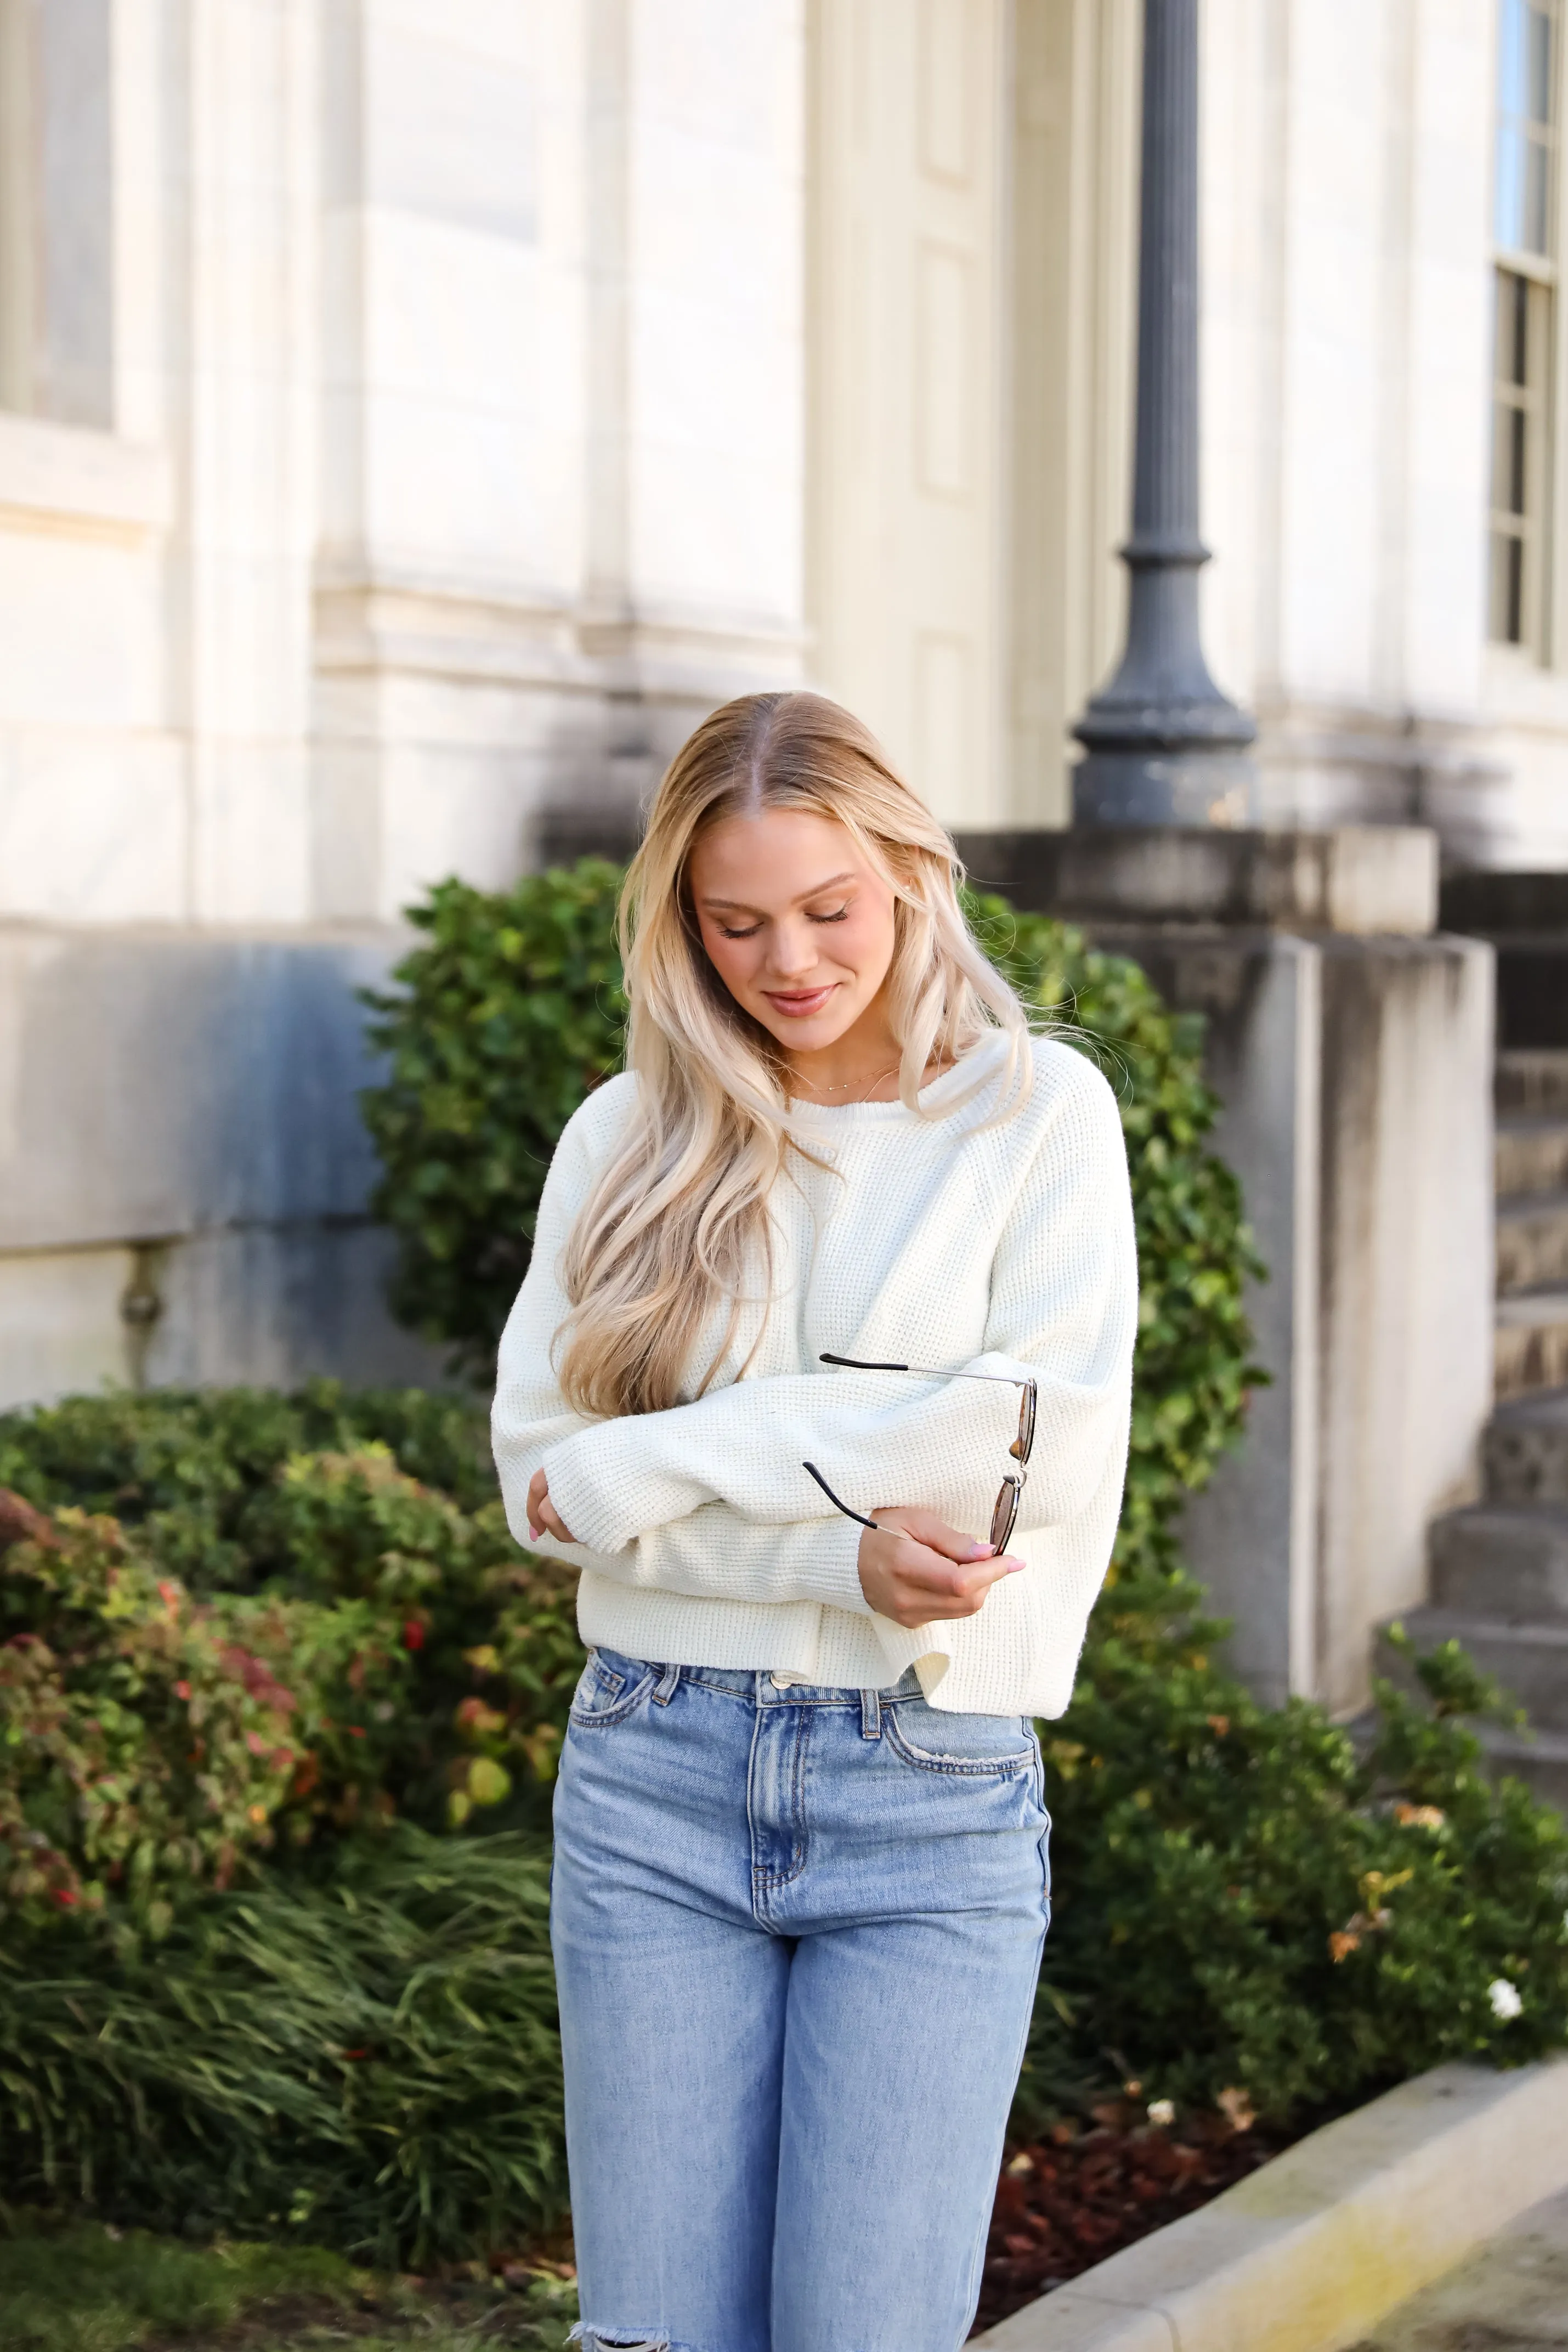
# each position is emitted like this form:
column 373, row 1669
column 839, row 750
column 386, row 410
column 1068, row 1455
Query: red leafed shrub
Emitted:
column 155, row 1743
column 137, row 1750
column 257, row 1664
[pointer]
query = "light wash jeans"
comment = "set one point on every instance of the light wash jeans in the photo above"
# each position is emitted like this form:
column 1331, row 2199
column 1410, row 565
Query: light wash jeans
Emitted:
column 797, row 1933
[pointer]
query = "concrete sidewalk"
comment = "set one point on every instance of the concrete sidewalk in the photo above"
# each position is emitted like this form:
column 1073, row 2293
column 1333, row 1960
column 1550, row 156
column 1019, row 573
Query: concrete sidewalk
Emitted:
column 1511, row 2296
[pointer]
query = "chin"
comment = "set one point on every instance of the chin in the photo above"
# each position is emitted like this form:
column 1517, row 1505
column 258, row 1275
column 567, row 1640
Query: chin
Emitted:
column 806, row 1037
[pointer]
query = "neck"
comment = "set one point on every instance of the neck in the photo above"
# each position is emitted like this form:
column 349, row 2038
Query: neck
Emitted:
column 862, row 1064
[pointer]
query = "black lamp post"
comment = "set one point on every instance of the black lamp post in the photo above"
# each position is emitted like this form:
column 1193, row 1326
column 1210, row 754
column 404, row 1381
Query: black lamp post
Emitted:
column 1164, row 745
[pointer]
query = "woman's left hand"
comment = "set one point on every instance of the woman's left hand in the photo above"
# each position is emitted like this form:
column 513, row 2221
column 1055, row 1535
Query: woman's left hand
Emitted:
column 544, row 1519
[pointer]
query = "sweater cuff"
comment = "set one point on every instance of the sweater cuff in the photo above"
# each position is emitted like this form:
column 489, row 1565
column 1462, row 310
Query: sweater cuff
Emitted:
column 840, row 1567
column 584, row 1496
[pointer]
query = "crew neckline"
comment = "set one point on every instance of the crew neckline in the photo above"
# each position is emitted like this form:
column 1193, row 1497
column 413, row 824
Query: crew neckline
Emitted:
column 961, row 1081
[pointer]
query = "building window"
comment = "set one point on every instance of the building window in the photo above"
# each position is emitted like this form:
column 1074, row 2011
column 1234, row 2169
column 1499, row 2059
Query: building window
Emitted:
column 17, row 291
column 56, row 209
column 1524, row 331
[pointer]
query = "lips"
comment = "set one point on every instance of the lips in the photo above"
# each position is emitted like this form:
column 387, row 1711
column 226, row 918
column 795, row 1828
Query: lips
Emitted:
column 799, row 1004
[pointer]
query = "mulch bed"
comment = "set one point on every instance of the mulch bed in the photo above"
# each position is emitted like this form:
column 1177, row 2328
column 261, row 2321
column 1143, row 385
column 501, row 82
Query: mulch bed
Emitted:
column 1085, row 2190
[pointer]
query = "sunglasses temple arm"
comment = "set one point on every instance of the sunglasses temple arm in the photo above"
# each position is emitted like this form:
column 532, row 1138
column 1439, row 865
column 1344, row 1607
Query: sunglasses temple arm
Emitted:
column 832, row 1498
column 926, row 1372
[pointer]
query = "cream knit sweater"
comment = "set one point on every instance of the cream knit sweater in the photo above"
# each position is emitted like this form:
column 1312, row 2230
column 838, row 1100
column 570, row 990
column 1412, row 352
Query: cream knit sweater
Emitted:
column 940, row 1240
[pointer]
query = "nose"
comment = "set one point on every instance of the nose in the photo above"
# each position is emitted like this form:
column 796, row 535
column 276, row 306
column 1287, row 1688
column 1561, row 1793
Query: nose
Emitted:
column 794, row 950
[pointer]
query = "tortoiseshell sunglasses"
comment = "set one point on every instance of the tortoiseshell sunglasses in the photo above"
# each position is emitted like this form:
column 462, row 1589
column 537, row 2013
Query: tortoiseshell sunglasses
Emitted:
column 1005, row 1516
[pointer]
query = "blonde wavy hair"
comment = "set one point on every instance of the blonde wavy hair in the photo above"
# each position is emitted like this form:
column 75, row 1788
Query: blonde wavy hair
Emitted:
column 678, row 1222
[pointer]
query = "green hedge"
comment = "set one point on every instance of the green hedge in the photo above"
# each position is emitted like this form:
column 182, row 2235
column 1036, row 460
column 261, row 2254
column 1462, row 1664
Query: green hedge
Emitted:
column 507, row 1015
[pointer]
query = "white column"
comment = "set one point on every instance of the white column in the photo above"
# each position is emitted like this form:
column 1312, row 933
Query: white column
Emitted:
column 908, row 518
column 1074, row 229
column 564, row 484
column 705, row 262
column 1347, row 161
column 453, row 417
column 241, row 165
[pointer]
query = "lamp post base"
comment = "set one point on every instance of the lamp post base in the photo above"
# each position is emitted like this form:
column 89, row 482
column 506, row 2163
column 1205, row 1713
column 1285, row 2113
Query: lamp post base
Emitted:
column 1201, row 785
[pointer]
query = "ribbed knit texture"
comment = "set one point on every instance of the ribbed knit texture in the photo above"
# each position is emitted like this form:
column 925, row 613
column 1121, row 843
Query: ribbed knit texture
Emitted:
column 956, row 1239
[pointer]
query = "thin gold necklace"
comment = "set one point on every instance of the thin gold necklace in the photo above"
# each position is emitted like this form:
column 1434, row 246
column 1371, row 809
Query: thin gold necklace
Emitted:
column 875, row 1080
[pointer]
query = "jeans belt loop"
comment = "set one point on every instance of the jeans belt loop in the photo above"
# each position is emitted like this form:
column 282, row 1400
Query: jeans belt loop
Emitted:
column 669, row 1682
column 870, row 1714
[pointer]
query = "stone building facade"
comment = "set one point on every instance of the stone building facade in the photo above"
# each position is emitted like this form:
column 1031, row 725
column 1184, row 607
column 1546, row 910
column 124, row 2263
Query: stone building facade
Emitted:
column 414, row 412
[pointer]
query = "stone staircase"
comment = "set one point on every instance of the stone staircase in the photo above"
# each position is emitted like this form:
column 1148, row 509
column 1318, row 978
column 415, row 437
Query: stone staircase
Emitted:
column 1500, row 1567
column 1531, row 1220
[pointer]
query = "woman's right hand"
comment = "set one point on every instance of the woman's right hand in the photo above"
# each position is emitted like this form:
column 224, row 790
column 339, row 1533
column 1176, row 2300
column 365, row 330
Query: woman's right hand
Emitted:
column 915, row 1568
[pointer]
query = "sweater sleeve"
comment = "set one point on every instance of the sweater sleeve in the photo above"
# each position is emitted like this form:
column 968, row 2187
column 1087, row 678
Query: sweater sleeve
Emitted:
column 708, row 1550
column 1063, row 1311
column 713, row 1555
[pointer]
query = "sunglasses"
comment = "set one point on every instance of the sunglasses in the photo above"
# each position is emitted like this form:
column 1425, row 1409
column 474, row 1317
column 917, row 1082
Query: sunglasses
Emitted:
column 1005, row 1516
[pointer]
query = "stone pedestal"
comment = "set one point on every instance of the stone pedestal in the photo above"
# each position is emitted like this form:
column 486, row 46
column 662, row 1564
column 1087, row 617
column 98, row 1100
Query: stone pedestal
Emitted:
column 1352, row 1047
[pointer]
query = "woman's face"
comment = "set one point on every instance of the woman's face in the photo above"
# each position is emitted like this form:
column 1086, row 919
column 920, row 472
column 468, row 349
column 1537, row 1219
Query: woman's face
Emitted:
column 798, row 925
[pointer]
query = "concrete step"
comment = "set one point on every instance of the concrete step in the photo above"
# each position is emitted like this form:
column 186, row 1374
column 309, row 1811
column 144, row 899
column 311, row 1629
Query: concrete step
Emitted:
column 1531, row 1242
column 1533, row 1083
column 1532, row 989
column 1538, row 1759
column 1501, row 1561
column 1496, row 903
column 1530, row 1344
column 1524, row 1449
column 1531, row 1156
column 1527, row 1658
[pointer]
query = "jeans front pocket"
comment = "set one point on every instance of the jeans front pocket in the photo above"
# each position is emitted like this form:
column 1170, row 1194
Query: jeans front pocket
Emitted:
column 965, row 1745
column 609, row 1689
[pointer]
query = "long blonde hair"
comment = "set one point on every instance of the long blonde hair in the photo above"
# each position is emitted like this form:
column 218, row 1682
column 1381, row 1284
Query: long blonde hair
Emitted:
column 679, row 1215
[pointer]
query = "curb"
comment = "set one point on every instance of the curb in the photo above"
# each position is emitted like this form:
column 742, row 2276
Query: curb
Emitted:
column 1313, row 2249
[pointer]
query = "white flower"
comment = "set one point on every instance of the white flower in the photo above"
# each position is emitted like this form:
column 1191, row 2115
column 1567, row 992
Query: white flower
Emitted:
column 1504, row 1999
column 1162, row 2112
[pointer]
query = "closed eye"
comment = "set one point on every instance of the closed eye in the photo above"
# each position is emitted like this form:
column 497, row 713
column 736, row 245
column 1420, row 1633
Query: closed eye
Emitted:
column 749, row 931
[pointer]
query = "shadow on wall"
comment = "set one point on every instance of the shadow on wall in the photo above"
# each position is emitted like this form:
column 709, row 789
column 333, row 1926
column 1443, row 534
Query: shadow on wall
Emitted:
column 183, row 1173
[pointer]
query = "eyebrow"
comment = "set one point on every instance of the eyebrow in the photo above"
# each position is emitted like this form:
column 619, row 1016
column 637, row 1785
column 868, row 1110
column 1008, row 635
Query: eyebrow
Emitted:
column 710, row 900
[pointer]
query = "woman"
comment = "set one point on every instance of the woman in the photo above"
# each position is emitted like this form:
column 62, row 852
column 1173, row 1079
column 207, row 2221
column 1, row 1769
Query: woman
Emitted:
column 800, row 1879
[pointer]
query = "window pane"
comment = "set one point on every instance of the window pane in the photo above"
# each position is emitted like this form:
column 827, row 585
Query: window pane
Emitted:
column 1511, row 57
column 1505, row 618
column 1512, row 364
column 1527, row 194
column 1509, row 228
column 1537, row 40
column 1502, row 462
column 1522, row 370
column 1515, row 594
column 1526, row 137
column 1536, row 237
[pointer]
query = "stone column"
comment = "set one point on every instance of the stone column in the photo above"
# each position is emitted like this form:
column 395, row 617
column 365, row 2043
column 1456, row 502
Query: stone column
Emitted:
column 1163, row 745
column 1351, row 1048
